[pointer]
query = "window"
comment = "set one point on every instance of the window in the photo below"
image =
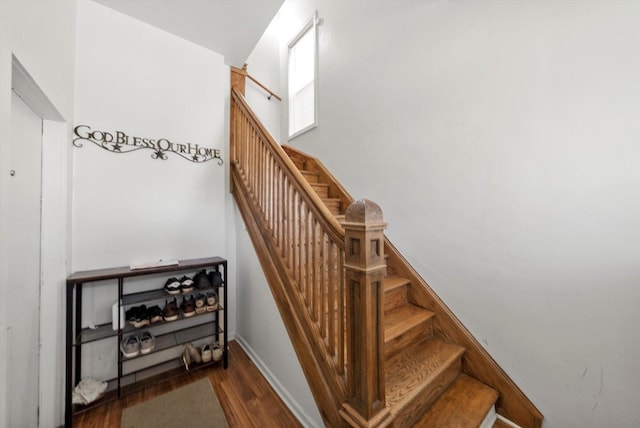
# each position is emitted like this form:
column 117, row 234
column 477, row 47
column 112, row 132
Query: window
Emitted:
column 303, row 65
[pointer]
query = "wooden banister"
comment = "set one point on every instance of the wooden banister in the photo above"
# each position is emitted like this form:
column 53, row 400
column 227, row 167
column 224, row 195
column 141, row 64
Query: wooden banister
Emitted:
column 271, row 93
column 303, row 253
column 238, row 81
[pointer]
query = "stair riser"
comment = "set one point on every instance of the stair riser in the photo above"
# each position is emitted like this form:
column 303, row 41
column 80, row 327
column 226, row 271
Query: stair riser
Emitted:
column 322, row 191
column 310, row 177
column 394, row 298
column 402, row 342
column 413, row 411
column 334, row 209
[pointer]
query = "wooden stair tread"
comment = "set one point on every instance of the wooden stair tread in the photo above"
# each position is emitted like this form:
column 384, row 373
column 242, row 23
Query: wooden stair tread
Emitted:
column 393, row 282
column 318, row 185
column 464, row 404
column 403, row 317
column 421, row 374
column 331, row 201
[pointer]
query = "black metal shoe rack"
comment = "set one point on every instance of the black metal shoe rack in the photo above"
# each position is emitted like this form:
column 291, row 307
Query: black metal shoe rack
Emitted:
column 176, row 333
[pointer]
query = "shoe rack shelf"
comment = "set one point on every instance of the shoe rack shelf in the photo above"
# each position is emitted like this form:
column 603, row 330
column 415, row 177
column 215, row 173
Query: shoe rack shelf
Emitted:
column 141, row 370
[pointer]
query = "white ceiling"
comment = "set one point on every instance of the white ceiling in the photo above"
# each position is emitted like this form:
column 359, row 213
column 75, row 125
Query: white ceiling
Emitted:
column 229, row 27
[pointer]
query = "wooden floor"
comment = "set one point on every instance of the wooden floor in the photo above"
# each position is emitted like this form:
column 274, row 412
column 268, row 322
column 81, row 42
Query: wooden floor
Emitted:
column 246, row 397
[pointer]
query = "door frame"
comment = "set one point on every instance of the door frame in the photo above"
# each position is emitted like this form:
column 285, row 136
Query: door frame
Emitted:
column 54, row 242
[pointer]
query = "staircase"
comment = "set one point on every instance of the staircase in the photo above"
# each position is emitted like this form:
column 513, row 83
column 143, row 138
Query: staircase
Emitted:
column 425, row 385
column 385, row 351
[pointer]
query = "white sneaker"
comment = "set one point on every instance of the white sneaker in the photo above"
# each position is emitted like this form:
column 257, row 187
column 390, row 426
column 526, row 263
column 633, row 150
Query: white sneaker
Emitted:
column 130, row 346
column 147, row 342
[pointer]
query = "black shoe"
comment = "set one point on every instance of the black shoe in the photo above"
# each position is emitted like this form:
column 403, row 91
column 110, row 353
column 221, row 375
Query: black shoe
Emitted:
column 215, row 277
column 188, row 306
column 186, row 284
column 142, row 317
column 155, row 314
column 131, row 314
column 172, row 286
column 170, row 311
column 137, row 316
column 201, row 280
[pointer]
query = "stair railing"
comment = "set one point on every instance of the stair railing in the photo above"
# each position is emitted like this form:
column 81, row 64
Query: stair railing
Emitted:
column 330, row 300
column 310, row 245
column 301, row 247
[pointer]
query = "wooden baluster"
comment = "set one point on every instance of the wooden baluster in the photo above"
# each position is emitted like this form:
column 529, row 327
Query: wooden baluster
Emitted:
column 295, row 236
column 301, row 251
column 320, row 291
column 341, row 316
column 287, row 223
column 333, row 299
column 364, row 270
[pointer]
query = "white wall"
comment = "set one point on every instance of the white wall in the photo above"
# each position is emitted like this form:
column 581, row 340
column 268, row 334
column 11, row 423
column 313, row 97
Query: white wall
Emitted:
column 41, row 35
column 145, row 82
column 500, row 139
column 128, row 207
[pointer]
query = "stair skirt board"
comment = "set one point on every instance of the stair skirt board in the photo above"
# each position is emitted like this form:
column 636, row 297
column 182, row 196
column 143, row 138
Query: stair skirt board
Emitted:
column 282, row 392
column 507, row 421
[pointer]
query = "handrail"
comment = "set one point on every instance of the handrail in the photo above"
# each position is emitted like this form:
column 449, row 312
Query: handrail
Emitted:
column 271, row 93
column 311, row 197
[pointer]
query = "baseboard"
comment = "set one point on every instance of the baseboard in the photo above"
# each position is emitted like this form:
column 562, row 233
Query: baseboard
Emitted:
column 490, row 419
column 282, row 392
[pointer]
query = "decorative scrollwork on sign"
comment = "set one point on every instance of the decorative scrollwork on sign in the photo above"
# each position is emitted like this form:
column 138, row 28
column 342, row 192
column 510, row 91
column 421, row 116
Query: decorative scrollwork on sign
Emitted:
column 119, row 142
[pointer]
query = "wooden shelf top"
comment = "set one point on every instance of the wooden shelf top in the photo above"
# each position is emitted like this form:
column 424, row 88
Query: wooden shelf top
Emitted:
column 126, row 271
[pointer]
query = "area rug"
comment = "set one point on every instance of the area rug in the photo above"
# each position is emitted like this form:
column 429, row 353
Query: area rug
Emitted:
column 193, row 405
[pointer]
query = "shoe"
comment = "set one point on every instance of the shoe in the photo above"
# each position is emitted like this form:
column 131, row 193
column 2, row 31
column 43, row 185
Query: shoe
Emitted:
column 186, row 285
column 170, row 311
column 188, row 306
column 216, row 352
column 201, row 280
column 130, row 346
column 147, row 342
column 141, row 317
column 186, row 358
column 206, row 353
column 212, row 301
column 200, row 304
column 215, row 278
column 172, row 286
column 155, row 314
column 194, row 353
column 131, row 314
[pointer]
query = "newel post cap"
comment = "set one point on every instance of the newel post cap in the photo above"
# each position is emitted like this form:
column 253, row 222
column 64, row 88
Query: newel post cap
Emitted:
column 364, row 211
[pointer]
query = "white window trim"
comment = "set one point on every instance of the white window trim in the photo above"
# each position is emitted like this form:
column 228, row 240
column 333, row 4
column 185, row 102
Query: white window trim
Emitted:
column 311, row 24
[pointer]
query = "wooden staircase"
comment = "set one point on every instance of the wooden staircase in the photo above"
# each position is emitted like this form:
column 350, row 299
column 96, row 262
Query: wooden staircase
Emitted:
column 377, row 345
column 425, row 384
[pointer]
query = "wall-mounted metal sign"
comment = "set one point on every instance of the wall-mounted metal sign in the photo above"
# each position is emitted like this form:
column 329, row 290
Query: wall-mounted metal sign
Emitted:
column 119, row 142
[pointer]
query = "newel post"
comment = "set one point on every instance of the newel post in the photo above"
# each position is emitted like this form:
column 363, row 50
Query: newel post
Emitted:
column 239, row 77
column 364, row 272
